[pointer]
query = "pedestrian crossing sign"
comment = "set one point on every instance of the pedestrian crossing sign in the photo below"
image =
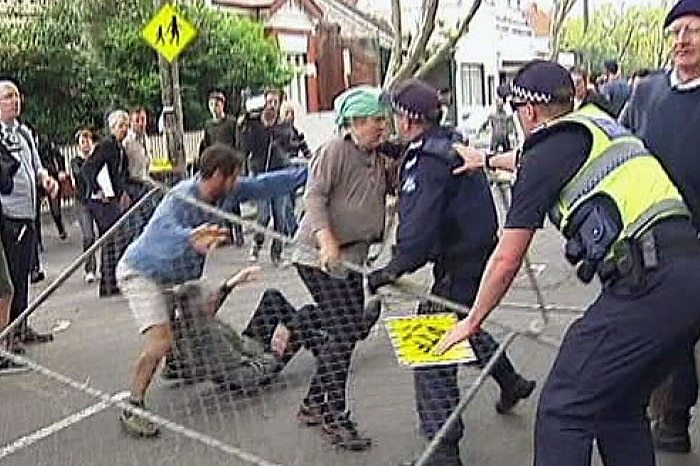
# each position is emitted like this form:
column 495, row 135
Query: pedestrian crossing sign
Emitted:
column 169, row 32
column 414, row 337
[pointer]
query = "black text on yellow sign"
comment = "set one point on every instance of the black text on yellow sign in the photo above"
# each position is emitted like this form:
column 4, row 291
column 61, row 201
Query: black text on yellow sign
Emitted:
column 415, row 337
column 169, row 32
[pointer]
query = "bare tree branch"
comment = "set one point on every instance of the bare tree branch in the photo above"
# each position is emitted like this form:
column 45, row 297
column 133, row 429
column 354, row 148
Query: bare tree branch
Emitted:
column 451, row 43
column 397, row 48
column 626, row 43
column 560, row 11
column 417, row 48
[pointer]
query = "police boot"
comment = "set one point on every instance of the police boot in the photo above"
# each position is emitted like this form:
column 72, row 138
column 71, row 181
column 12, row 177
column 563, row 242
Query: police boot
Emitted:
column 444, row 455
column 511, row 394
column 670, row 434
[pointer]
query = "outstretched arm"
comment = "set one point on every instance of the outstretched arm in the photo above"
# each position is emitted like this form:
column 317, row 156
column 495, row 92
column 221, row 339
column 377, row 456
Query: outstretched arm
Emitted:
column 268, row 185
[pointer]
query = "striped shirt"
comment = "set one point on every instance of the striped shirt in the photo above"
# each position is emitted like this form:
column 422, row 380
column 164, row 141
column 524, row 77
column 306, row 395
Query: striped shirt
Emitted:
column 21, row 202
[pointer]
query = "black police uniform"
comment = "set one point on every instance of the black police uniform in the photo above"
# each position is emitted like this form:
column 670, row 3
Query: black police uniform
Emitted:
column 451, row 221
column 628, row 339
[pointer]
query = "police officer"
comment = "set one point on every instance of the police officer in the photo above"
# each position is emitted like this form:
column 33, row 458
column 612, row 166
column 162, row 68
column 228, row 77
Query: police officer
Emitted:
column 625, row 221
column 450, row 221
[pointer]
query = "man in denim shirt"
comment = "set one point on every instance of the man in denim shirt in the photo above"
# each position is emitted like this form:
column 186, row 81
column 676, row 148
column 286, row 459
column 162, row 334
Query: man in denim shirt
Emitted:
column 172, row 250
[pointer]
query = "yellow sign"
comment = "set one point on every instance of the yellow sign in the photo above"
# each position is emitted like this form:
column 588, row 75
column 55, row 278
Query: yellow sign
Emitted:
column 415, row 337
column 169, row 32
column 161, row 165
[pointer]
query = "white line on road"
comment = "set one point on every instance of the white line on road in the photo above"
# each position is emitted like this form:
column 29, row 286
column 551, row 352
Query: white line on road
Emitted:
column 30, row 439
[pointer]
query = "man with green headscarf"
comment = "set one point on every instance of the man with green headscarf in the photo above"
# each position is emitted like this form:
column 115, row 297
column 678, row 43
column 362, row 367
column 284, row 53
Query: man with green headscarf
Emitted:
column 345, row 209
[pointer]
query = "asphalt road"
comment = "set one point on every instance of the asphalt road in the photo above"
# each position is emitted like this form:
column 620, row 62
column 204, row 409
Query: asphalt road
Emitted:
column 46, row 422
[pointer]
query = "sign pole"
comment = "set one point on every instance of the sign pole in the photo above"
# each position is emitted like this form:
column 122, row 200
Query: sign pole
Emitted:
column 172, row 110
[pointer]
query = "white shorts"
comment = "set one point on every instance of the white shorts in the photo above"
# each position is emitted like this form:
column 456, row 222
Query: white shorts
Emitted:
column 150, row 302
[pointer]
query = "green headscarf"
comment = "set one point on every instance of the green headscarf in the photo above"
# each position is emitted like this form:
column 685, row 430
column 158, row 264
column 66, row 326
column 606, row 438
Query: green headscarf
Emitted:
column 359, row 101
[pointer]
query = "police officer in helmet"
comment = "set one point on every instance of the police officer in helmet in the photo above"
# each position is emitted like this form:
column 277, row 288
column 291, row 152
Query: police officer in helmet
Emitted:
column 450, row 221
column 624, row 221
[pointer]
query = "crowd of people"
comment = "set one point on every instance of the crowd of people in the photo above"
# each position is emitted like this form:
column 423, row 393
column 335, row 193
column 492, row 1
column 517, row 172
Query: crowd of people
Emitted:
column 612, row 169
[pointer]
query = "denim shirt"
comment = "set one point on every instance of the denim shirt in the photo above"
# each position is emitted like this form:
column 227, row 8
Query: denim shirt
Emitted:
column 164, row 252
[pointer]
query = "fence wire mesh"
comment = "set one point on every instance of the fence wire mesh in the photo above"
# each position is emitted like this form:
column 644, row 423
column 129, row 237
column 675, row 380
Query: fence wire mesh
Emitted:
column 247, row 370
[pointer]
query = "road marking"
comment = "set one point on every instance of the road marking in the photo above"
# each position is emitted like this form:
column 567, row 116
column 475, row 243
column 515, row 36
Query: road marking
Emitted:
column 30, row 439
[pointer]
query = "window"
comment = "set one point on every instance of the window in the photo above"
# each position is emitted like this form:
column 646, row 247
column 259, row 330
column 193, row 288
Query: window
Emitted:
column 472, row 84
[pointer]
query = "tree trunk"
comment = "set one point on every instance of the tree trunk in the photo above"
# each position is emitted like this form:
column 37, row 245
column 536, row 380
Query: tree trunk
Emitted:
column 417, row 48
column 412, row 66
column 397, row 48
column 560, row 11
column 448, row 46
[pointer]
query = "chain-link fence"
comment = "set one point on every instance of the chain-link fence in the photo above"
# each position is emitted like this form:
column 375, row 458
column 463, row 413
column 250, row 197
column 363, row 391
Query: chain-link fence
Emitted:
column 256, row 373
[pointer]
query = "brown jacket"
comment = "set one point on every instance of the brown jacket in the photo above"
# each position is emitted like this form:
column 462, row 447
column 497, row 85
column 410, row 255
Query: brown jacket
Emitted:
column 346, row 192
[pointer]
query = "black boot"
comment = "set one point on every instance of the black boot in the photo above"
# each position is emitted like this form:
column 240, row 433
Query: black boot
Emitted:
column 670, row 434
column 511, row 394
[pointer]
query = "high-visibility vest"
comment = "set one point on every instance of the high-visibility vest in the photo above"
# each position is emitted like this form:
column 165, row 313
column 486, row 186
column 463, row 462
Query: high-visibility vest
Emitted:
column 621, row 167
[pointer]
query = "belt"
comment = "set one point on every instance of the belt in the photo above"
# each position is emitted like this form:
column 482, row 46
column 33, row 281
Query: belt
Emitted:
column 667, row 240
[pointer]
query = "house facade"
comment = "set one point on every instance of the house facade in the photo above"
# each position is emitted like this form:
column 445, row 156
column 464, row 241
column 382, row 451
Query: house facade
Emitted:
column 330, row 45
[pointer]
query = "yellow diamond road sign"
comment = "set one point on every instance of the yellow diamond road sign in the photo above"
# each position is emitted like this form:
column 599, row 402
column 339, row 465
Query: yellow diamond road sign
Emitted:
column 169, row 32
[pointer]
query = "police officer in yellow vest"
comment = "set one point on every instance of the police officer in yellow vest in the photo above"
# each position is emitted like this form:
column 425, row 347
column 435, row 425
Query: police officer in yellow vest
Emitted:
column 625, row 222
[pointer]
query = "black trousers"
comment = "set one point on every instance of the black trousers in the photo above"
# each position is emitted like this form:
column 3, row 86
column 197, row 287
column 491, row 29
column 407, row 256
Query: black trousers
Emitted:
column 275, row 309
column 339, row 314
column 18, row 241
column 611, row 359
column 105, row 215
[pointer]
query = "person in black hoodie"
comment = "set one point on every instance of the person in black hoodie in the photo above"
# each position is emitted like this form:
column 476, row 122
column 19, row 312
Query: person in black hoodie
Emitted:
column 54, row 162
column 267, row 141
column 106, row 174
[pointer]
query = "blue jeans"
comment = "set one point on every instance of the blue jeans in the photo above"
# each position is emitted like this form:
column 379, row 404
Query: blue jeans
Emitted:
column 277, row 209
column 87, row 222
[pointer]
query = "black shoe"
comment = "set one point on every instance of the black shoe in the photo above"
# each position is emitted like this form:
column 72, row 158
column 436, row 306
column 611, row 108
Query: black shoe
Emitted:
column 341, row 431
column 8, row 366
column 63, row 235
column 510, row 396
column 37, row 276
column 30, row 336
column 670, row 439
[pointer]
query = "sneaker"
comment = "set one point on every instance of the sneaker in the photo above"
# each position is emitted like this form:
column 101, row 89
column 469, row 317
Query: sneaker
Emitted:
column 137, row 426
column 341, row 431
column 311, row 415
column 521, row 389
column 30, row 336
column 89, row 277
column 670, row 439
column 254, row 253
